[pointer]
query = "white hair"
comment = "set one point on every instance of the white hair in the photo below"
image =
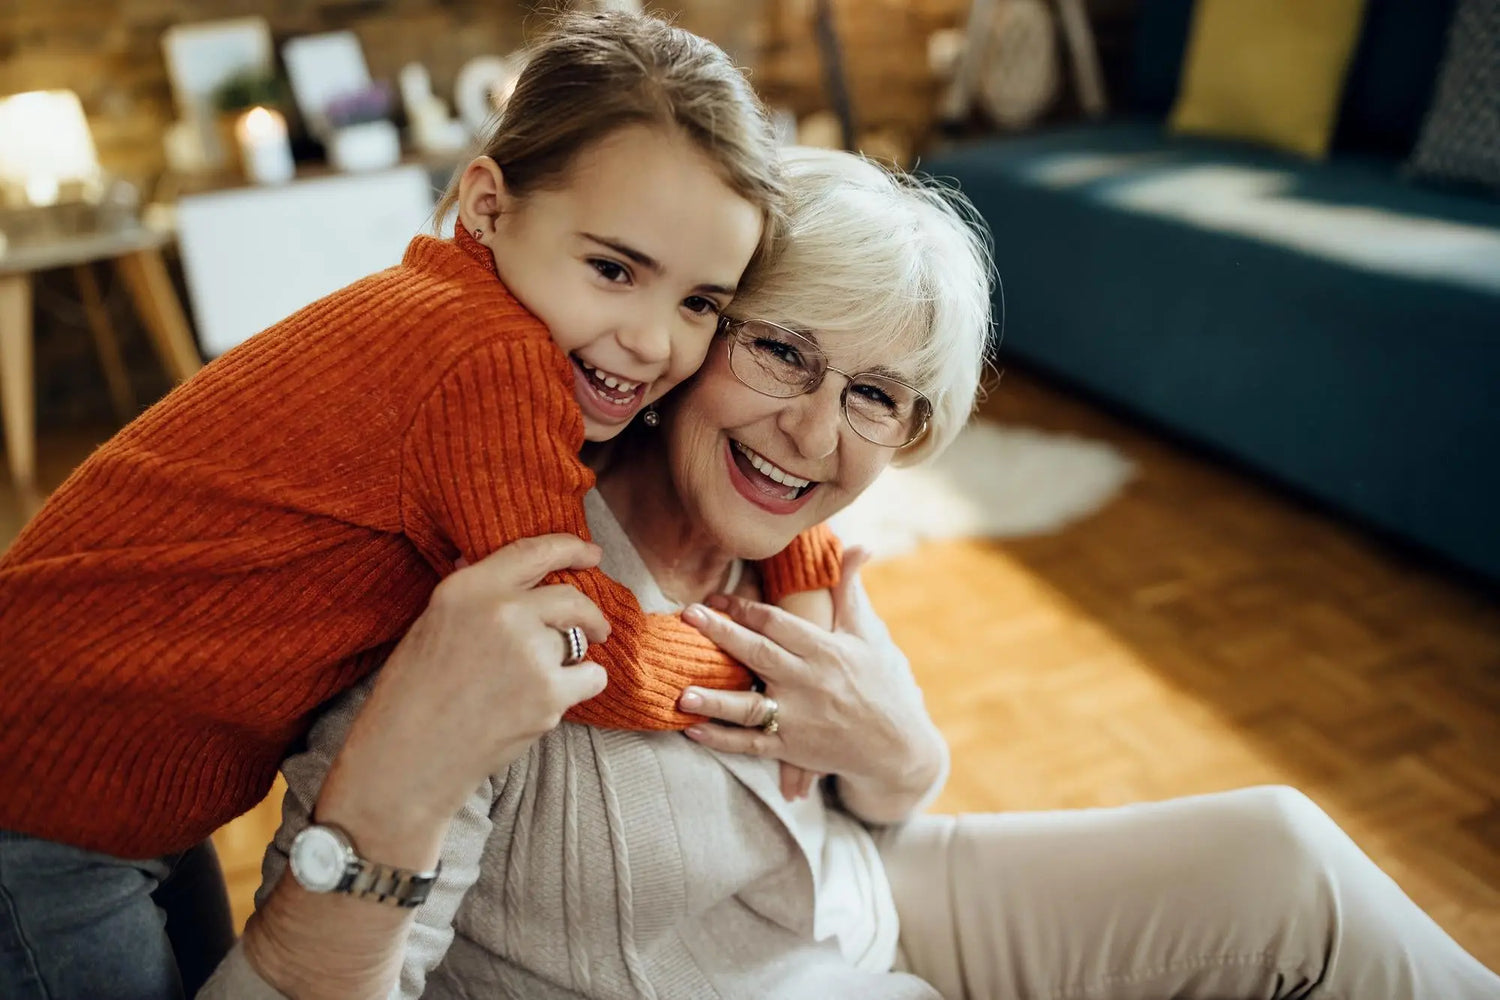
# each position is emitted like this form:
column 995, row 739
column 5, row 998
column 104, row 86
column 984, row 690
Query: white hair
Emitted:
column 889, row 266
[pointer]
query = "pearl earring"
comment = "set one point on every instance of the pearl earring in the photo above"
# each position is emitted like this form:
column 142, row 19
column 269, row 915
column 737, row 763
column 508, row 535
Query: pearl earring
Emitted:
column 651, row 418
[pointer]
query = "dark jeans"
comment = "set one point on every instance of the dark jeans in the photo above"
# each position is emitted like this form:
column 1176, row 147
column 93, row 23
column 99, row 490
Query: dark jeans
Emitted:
column 75, row 925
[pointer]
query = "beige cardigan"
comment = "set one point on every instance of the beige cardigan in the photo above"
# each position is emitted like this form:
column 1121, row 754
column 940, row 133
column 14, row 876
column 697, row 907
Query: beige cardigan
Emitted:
column 615, row 865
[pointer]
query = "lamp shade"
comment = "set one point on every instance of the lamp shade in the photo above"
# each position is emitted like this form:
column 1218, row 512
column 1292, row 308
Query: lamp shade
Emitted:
column 45, row 146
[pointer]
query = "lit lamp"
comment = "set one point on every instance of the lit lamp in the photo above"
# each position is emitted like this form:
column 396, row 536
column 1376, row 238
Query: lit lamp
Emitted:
column 47, row 155
column 265, row 150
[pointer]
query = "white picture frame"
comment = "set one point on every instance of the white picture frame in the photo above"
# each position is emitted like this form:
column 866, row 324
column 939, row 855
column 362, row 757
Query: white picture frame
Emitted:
column 322, row 68
column 202, row 57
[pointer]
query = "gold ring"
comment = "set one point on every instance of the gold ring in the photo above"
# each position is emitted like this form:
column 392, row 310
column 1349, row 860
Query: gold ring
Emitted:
column 771, row 724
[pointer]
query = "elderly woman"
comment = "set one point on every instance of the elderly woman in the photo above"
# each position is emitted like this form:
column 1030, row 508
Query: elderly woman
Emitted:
column 606, row 864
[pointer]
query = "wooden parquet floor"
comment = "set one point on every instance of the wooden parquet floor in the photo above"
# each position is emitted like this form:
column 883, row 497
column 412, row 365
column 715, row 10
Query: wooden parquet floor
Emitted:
column 1202, row 632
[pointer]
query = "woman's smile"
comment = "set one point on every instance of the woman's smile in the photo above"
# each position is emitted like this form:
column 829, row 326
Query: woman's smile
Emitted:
column 764, row 483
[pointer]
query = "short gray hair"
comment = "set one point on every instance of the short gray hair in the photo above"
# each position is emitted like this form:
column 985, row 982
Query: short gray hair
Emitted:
column 900, row 264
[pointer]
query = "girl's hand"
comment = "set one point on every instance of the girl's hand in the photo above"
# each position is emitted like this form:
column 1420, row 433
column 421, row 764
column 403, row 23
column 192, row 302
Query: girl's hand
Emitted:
column 847, row 706
column 477, row 678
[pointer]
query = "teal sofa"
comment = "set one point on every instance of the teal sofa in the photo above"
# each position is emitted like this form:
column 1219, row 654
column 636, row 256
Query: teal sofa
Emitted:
column 1333, row 325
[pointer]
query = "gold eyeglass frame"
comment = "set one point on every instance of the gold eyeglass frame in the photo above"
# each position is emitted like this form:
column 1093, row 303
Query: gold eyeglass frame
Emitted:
column 731, row 325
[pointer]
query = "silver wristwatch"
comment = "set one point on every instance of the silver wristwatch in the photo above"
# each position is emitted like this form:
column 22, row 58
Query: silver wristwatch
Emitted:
column 323, row 859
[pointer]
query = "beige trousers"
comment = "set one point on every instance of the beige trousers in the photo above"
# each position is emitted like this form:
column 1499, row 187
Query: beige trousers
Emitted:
column 1246, row 894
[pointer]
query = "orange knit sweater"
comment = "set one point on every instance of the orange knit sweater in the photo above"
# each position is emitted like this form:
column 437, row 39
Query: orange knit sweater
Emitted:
column 259, row 540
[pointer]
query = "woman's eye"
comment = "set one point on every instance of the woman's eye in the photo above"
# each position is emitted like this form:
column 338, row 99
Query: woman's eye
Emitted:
column 609, row 270
column 699, row 306
column 876, row 396
column 775, row 349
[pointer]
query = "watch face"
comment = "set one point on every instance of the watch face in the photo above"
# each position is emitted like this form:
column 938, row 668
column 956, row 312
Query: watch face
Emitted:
column 318, row 859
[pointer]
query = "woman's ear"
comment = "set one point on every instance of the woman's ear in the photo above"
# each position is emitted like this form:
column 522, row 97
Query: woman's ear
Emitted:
column 482, row 197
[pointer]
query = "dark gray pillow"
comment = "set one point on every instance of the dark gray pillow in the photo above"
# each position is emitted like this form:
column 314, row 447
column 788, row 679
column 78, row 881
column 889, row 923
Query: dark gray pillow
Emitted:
column 1460, row 138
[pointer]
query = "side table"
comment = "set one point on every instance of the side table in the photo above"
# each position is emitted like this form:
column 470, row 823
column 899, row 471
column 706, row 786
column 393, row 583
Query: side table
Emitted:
column 136, row 255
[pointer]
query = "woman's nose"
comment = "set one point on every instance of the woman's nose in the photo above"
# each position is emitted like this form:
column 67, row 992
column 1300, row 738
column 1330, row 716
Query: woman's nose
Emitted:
column 814, row 421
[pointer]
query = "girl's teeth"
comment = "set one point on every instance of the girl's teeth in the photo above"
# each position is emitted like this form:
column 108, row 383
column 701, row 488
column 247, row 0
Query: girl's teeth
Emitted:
column 620, row 384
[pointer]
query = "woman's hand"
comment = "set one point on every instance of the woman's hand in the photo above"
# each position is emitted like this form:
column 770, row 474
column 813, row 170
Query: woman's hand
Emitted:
column 815, row 607
column 477, row 678
column 847, row 706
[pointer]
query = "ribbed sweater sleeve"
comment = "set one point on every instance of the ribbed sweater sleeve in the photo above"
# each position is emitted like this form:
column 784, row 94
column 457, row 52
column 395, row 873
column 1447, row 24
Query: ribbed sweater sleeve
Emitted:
column 258, row 541
column 812, row 562
column 484, row 468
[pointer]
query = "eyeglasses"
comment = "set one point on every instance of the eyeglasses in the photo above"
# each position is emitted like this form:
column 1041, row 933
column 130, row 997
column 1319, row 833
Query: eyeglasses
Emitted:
column 779, row 362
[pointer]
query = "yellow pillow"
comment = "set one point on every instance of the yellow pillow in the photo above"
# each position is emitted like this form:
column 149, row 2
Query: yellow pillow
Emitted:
column 1268, row 71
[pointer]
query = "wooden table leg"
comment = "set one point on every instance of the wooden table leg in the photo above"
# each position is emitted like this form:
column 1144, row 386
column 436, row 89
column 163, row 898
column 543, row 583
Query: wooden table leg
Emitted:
column 105, row 343
column 156, row 302
column 17, row 394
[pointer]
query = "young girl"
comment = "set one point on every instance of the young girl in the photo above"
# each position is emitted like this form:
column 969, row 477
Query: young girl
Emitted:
column 297, row 503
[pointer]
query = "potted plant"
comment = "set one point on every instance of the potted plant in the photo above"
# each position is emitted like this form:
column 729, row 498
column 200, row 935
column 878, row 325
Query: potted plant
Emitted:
column 361, row 133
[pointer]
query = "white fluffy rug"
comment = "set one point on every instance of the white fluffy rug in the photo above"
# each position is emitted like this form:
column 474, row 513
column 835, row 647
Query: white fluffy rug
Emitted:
column 993, row 482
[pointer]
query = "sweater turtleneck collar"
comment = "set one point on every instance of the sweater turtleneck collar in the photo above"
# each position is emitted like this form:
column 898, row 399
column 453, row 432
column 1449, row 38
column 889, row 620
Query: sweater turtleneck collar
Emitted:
column 461, row 253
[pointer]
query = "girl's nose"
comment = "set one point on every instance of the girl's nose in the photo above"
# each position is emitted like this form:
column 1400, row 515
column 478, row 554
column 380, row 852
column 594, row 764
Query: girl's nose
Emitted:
column 648, row 339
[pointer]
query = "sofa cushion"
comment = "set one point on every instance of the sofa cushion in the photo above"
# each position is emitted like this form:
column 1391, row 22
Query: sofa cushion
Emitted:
column 1460, row 140
column 1390, row 80
column 1271, row 71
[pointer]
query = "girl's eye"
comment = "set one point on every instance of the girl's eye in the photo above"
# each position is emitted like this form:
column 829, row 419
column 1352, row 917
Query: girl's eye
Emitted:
column 699, row 306
column 609, row 270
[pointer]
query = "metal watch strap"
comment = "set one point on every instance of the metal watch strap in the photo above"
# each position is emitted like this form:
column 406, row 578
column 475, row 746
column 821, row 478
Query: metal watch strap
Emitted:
column 399, row 887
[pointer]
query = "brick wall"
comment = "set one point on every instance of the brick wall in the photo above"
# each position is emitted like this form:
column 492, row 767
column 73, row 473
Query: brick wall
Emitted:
column 109, row 51
column 884, row 46
column 884, row 52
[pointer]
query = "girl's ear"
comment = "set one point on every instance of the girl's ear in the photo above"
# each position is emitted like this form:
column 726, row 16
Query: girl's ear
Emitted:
column 482, row 197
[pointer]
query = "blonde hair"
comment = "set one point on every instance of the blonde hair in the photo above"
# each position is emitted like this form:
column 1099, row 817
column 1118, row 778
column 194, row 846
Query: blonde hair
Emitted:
column 888, row 265
column 593, row 74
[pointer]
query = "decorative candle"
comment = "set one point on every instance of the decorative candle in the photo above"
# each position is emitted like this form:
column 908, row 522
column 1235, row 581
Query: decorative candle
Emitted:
column 265, row 152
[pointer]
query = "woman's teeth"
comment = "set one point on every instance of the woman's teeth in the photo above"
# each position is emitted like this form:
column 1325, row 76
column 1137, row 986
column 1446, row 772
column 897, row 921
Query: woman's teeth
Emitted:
column 795, row 484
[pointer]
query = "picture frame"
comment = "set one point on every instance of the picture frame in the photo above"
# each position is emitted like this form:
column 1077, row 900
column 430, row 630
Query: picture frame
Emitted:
column 322, row 68
column 201, row 58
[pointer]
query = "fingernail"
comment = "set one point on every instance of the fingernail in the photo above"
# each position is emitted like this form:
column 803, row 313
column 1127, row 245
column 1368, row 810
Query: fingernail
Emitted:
column 696, row 732
column 695, row 614
column 719, row 601
column 691, row 699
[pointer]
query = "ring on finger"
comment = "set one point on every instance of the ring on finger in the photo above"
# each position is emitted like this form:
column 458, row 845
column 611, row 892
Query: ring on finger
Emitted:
column 770, row 722
column 575, row 645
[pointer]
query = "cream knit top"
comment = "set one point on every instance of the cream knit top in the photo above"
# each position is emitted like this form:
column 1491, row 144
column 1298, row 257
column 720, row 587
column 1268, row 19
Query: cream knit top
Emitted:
column 618, row 865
